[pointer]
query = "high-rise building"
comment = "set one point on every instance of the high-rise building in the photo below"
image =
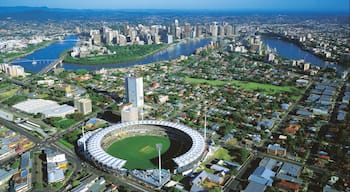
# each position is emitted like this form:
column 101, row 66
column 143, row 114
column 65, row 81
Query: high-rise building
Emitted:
column 129, row 113
column 12, row 70
column 222, row 31
column 134, row 91
column 187, row 30
column 199, row 31
column 214, row 29
column 176, row 22
column 83, row 105
column 235, row 30
column 97, row 39
column 229, row 30
column 172, row 30
column 178, row 32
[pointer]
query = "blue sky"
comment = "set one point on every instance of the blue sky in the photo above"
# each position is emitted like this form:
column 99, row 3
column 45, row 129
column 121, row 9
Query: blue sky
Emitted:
column 263, row 5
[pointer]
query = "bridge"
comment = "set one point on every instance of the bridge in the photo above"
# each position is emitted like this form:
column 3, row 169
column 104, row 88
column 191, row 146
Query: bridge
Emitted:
column 34, row 61
column 53, row 64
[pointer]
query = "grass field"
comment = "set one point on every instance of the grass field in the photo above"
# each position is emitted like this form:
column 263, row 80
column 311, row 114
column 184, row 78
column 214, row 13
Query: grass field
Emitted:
column 138, row 150
column 9, row 93
column 66, row 143
column 249, row 86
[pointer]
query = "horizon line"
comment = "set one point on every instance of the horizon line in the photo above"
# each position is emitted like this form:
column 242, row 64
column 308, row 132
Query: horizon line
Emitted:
column 190, row 9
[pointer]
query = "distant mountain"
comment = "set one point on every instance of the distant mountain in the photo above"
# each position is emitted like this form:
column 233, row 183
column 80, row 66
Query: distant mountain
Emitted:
column 152, row 16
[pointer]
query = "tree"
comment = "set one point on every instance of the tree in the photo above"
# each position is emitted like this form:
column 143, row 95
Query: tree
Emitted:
column 244, row 154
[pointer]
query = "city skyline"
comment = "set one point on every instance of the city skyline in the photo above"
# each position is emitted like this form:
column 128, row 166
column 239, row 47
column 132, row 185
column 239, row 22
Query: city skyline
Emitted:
column 249, row 5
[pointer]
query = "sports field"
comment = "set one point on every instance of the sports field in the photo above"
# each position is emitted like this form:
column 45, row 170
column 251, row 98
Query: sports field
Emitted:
column 138, row 150
column 249, row 86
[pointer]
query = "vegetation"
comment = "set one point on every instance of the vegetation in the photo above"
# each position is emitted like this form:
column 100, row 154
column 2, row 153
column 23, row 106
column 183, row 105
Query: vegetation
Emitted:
column 249, row 86
column 60, row 123
column 177, row 177
column 16, row 164
column 75, row 183
column 15, row 99
column 73, row 136
column 120, row 54
column 141, row 149
column 223, row 154
column 19, row 53
column 8, row 93
column 5, row 84
column 66, row 143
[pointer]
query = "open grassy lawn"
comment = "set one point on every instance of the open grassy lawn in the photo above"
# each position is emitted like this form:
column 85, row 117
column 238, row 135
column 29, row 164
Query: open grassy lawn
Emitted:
column 64, row 123
column 66, row 143
column 138, row 150
column 223, row 154
column 249, row 86
column 8, row 93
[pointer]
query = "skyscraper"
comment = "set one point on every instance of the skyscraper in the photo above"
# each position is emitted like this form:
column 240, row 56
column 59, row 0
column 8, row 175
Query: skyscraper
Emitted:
column 187, row 30
column 214, row 29
column 134, row 91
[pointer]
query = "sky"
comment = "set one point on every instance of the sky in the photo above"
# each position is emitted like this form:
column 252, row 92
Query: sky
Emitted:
column 260, row 5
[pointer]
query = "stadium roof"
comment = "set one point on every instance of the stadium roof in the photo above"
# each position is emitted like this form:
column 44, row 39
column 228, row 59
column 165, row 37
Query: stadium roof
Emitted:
column 35, row 105
column 98, row 154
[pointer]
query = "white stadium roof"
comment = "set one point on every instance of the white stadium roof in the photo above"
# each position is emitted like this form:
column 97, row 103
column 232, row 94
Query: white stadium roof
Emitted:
column 98, row 154
column 36, row 105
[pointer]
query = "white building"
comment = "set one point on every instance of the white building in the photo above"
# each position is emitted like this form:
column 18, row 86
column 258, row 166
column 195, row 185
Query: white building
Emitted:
column 134, row 91
column 48, row 82
column 56, row 165
column 12, row 70
column 84, row 106
column 55, row 158
column 129, row 113
column 59, row 111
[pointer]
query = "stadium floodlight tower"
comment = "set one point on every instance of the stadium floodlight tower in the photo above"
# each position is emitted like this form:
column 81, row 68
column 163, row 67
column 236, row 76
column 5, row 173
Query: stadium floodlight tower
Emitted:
column 205, row 126
column 159, row 148
column 83, row 131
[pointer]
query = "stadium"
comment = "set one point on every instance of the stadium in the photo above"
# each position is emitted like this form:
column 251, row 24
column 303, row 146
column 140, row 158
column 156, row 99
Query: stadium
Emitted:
column 187, row 147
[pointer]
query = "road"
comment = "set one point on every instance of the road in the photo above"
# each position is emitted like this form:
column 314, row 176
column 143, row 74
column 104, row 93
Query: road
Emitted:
column 20, row 130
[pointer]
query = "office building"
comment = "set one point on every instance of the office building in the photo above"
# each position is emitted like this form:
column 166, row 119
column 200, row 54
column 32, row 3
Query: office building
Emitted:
column 169, row 39
column 214, row 29
column 134, row 91
column 222, row 31
column 56, row 165
column 84, row 106
column 229, row 30
column 199, row 31
column 187, row 33
column 129, row 113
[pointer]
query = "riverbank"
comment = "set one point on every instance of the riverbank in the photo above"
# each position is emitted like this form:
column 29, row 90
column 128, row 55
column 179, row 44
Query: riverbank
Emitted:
column 27, row 51
column 123, row 54
column 303, row 47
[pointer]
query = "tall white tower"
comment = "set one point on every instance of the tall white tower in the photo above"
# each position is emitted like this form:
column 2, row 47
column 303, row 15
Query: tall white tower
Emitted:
column 134, row 91
column 205, row 126
column 159, row 148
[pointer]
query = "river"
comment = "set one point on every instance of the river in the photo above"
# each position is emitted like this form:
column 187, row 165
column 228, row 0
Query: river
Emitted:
column 47, row 54
column 291, row 51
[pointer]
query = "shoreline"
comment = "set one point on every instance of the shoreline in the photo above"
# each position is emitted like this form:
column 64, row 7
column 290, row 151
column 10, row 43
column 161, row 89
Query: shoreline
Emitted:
column 181, row 41
column 302, row 47
column 131, row 60
column 31, row 52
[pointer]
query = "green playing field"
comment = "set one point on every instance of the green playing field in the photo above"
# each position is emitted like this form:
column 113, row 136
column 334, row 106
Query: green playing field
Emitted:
column 138, row 150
